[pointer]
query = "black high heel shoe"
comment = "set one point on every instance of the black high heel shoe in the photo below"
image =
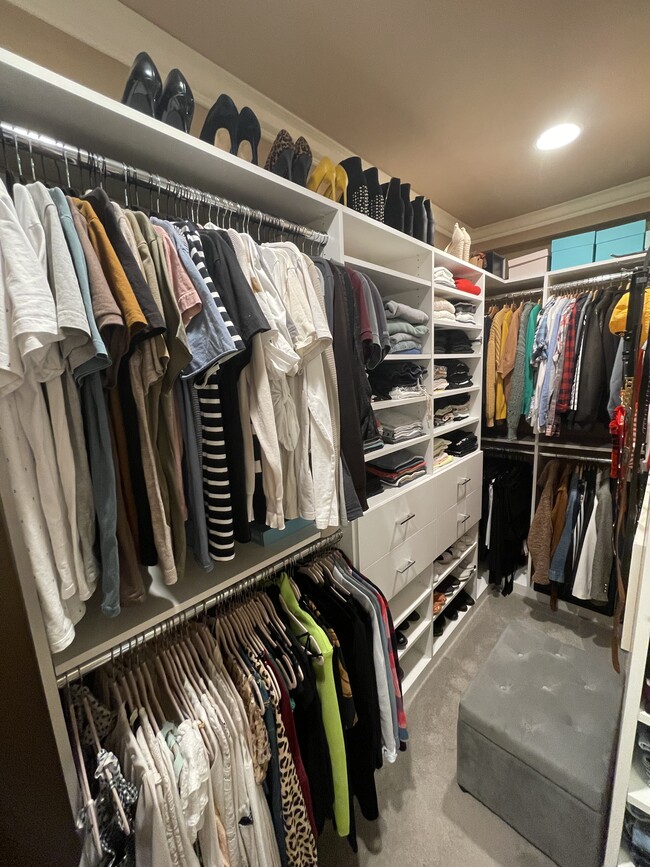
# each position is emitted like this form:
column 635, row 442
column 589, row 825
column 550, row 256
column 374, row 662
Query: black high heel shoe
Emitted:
column 431, row 223
column 302, row 160
column 143, row 86
column 220, row 126
column 280, row 158
column 176, row 104
column 248, row 132
column 405, row 190
column 419, row 219
column 358, row 197
column 375, row 195
column 394, row 205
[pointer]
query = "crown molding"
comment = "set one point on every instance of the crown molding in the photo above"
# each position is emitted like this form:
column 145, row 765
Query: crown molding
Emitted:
column 116, row 31
column 536, row 221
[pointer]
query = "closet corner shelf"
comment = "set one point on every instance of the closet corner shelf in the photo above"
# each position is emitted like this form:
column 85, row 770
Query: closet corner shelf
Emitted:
column 396, row 447
column 413, row 635
column 402, row 401
column 497, row 285
column 638, row 793
column 451, row 566
column 644, row 717
column 450, row 392
column 388, row 280
column 458, row 267
column 407, row 600
column 450, row 628
column 371, row 241
column 454, row 425
column 415, row 356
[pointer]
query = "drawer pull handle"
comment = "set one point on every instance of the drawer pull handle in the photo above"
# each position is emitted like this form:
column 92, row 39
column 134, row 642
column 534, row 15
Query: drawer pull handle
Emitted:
column 463, row 519
column 408, row 565
column 464, row 481
column 408, row 518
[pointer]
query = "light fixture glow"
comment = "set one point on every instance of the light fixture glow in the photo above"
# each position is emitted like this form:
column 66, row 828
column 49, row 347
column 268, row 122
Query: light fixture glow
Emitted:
column 558, row 136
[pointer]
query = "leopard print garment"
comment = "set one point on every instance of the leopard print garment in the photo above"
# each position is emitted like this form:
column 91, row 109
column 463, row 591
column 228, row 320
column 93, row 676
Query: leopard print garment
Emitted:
column 299, row 837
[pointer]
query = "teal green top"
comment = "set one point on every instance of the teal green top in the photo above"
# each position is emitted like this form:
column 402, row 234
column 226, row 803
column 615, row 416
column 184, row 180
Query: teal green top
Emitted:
column 528, row 370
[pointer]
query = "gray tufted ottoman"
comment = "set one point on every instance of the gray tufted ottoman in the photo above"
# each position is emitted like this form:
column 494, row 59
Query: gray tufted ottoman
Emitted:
column 536, row 741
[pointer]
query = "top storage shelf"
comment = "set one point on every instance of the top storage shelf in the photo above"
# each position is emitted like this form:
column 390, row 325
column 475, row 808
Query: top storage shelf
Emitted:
column 36, row 98
column 593, row 269
column 369, row 240
column 458, row 267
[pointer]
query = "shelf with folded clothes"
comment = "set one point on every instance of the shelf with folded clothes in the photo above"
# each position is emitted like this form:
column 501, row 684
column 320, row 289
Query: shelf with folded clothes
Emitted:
column 388, row 280
column 388, row 449
column 408, row 356
column 452, row 356
column 438, row 471
column 456, row 294
column 378, row 501
column 446, row 324
column 394, row 470
column 443, row 429
column 458, row 267
column 401, row 401
column 450, row 392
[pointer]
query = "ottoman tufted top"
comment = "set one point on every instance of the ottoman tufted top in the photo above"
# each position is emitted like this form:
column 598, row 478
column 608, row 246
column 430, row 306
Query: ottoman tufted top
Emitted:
column 553, row 706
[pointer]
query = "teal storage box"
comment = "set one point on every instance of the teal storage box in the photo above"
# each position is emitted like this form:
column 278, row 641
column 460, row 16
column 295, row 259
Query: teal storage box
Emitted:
column 573, row 250
column 620, row 240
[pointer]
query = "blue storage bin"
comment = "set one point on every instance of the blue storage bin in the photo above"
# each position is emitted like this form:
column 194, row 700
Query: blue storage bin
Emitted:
column 573, row 250
column 620, row 240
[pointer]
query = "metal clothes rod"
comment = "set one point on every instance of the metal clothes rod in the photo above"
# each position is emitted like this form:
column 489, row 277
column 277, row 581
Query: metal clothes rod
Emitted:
column 523, row 293
column 13, row 136
column 579, row 459
column 192, row 611
column 618, row 276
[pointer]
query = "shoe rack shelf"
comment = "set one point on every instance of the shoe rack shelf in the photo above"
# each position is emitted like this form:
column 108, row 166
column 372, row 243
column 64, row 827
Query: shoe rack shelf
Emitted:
column 414, row 633
column 454, row 563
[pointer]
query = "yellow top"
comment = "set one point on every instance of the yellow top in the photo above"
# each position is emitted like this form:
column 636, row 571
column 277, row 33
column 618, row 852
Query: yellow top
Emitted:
column 501, row 404
column 618, row 319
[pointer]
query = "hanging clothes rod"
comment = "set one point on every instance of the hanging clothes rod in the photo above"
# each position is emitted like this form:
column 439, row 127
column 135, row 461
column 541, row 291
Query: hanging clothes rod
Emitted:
column 578, row 458
column 523, row 293
column 103, row 167
column 615, row 276
column 192, row 611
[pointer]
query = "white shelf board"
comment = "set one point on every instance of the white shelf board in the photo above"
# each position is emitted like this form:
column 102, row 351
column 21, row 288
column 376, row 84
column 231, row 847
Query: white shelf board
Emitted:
column 454, row 464
column 387, row 279
column 644, row 717
column 438, row 579
column 413, row 356
column 458, row 294
column 458, row 326
column 592, row 269
column 497, row 285
column 442, row 356
column 450, row 392
column 624, row 859
column 414, row 675
column 371, row 241
column 379, row 500
column 450, row 629
column 402, row 401
column 408, row 599
column 396, row 447
column 96, row 633
column 458, row 267
column 454, row 425
column 638, row 793
column 413, row 635
column 36, row 98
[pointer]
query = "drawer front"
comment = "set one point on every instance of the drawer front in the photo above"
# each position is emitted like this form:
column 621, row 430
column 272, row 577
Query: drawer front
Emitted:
column 394, row 571
column 469, row 511
column 447, row 530
column 395, row 522
column 457, row 482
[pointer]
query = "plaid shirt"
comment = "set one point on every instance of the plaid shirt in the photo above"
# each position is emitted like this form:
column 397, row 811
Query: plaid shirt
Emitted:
column 568, row 370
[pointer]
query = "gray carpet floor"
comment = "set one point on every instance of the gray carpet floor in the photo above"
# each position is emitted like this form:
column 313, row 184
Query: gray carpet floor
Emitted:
column 425, row 819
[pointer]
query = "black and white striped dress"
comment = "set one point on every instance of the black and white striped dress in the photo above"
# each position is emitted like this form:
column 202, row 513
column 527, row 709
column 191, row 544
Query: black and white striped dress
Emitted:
column 216, row 481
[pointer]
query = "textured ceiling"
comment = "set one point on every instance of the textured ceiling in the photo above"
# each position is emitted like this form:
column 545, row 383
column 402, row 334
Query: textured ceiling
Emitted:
column 447, row 94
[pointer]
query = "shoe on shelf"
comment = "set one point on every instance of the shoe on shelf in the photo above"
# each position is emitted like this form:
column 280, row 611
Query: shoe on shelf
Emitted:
column 431, row 223
column 405, row 190
column 302, row 160
column 466, row 245
column 413, row 617
column 280, row 158
column 439, row 625
column 248, row 135
column 419, row 219
column 394, row 205
column 322, row 179
column 143, row 86
column 460, row 605
column 375, row 195
column 176, row 102
column 401, row 639
column 466, row 598
column 452, row 613
column 220, row 125
column 445, row 557
column 404, row 625
column 341, row 185
column 358, row 195
column 456, row 247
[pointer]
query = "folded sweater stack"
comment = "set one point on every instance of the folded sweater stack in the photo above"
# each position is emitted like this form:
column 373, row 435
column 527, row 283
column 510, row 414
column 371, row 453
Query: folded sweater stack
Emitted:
column 396, row 426
column 443, row 279
column 444, row 311
column 452, row 342
column 449, row 409
column 458, row 374
column 462, row 443
column 440, row 456
column 398, row 469
column 407, row 327
column 440, row 377
column 465, row 312
column 393, row 380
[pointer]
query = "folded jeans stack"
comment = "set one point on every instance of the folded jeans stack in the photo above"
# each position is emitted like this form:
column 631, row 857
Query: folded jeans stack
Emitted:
column 397, row 426
column 448, row 409
column 458, row 375
column 398, row 469
column 393, row 380
column 462, row 443
column 464, row 285
column 443, row 279
column 444, row 311
column 465, row 312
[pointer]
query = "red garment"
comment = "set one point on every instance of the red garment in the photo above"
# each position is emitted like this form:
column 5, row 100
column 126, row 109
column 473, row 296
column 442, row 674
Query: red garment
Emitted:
column 467, row 286
column 568, row 371
column 617, row 431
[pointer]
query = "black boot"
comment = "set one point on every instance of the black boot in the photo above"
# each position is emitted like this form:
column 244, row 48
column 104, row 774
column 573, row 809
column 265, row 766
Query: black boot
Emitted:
column 405, row 190
column 358, row 198
column 419, row 219
column 394, row 206
column 431, row 223
column 375, row 195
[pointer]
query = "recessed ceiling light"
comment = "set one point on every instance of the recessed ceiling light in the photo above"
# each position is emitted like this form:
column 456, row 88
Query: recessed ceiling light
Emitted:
column 558, row 136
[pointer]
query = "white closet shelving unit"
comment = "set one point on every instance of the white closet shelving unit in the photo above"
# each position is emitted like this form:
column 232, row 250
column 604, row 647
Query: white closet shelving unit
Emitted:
column 35, row 98
column 404, row 530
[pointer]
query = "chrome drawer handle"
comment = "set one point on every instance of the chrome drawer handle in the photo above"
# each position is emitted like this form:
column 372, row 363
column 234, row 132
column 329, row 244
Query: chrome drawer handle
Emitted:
column 408, row 518
column 463, row 519
column 409, row 563
column 464, row 481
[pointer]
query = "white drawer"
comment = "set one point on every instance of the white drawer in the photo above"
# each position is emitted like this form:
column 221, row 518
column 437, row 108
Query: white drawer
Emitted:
column 392, row 524
column 469, row 510
column 397, row 569
column 451, row 525
column 457, row 482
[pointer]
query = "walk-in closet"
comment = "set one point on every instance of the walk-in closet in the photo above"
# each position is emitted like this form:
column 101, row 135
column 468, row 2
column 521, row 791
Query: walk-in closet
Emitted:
column 324, row 442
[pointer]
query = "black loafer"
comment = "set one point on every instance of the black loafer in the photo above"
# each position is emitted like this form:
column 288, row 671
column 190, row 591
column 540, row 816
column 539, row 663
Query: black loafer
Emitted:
column 413, row 617
column 402, row 640
column 452, row 613
column 439, row 626
column 404, row 625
